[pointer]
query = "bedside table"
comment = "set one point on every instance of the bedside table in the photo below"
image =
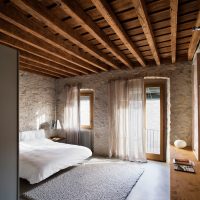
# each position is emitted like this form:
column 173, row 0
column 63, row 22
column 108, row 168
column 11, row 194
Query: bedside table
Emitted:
column 58, row 139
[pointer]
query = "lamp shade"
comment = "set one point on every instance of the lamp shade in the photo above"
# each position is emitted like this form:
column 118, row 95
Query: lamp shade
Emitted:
column 58, row 125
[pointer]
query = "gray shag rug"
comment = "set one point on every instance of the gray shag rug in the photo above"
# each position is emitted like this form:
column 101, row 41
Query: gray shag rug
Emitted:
column 107, row 181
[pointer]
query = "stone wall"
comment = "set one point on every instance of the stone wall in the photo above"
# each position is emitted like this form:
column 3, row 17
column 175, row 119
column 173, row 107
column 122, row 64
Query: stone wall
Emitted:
column 181, row 99
column 36, row 100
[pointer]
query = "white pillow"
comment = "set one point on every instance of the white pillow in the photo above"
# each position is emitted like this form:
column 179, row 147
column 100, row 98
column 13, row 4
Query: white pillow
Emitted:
column 31, row 135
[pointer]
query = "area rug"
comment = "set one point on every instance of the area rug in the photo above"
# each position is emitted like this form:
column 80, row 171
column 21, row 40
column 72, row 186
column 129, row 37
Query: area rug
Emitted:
column 107, row 181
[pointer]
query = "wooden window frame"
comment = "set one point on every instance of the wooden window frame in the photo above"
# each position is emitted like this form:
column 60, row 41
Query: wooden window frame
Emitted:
column 91, row 96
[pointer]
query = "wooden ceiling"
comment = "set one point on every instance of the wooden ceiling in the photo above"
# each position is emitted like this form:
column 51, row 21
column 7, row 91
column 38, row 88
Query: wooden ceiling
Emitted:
column 64, row 38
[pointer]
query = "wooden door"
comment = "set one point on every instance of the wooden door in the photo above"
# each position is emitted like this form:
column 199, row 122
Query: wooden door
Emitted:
column 155, row 120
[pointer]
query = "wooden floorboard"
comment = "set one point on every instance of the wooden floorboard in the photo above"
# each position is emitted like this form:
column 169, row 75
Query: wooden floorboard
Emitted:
column 184, row 186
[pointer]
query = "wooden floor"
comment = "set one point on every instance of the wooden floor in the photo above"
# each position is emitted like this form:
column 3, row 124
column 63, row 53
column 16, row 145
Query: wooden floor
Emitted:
column 184, row 186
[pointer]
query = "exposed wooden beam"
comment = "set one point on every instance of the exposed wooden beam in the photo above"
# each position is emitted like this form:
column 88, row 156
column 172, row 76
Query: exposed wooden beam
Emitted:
column 195, row 39
column 43, row 61
column 5, row 39
column 106, row 11
column 15, row 32
column 173, row 14
column 146, row 26
column 36, row 72
column 33, row 66
column 73, row 9
column 42, row 66
column 12, row 15
column 41, row 72
column 42, row 14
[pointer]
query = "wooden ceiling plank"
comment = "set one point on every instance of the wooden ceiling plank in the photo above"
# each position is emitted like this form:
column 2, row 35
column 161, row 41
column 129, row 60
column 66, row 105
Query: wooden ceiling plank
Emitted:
column 184, row 33
column 42, row 66
column 73, row 9
column 182, row 51
column 128, row 12
column 57, row 25
column 24, row 63
column 187, row 17
column 32, row 64
column 194, row 39
column 12, row 15
column 156, row 6
column 185, row 26
column 15, row 32
column 188, row 7
column 54, row 65
column 183, row 46
column 146, row 26
column 163, row 38
column 173, row 14
column 165, row 55
column 105, row 10
column 162, row 15
column 183, row 40
column 162, row 31
column 35, row 51
column 161, row 24
column 37, row 70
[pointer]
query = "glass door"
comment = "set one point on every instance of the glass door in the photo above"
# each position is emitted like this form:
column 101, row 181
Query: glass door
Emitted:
column 154, row 111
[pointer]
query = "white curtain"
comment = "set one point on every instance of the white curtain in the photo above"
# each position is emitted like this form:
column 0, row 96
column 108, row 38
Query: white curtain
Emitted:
column 71, row 123
column 127, row 120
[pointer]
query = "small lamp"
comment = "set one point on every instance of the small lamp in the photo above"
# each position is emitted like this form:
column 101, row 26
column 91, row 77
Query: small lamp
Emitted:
column 58, row 125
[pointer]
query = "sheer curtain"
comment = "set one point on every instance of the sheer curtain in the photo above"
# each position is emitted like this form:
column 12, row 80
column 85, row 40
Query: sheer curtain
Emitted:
column 127, row 127
column 71, row 123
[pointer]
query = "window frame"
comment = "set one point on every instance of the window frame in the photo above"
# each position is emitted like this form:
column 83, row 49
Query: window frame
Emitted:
column 89, row 94
column 163, row 113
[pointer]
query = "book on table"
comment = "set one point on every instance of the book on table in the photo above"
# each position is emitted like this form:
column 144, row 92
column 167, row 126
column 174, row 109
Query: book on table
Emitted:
column 183, row 165
column 181, row 161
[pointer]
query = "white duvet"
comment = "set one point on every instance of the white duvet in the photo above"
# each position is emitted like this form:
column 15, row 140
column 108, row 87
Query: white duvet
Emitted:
column 39, row 159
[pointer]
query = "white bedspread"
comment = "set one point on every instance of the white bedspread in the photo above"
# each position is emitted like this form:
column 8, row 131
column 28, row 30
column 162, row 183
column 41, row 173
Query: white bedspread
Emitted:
column 39, row 159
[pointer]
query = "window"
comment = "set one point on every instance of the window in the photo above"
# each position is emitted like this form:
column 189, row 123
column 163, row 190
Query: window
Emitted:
column 86, row 109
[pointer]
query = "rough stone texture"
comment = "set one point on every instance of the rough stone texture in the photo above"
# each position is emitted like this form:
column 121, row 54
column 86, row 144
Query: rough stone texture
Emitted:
column 36, row 100
column 181, row 99
column 181, row 105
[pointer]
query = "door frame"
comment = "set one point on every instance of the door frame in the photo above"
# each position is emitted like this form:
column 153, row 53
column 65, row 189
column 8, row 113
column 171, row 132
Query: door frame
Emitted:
column 163, row 86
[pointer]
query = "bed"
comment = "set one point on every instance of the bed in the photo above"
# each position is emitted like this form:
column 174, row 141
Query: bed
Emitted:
column 40, row 157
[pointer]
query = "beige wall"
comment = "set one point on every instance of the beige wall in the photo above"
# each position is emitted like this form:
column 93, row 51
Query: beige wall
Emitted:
column 36, row 100
column 181, row 99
